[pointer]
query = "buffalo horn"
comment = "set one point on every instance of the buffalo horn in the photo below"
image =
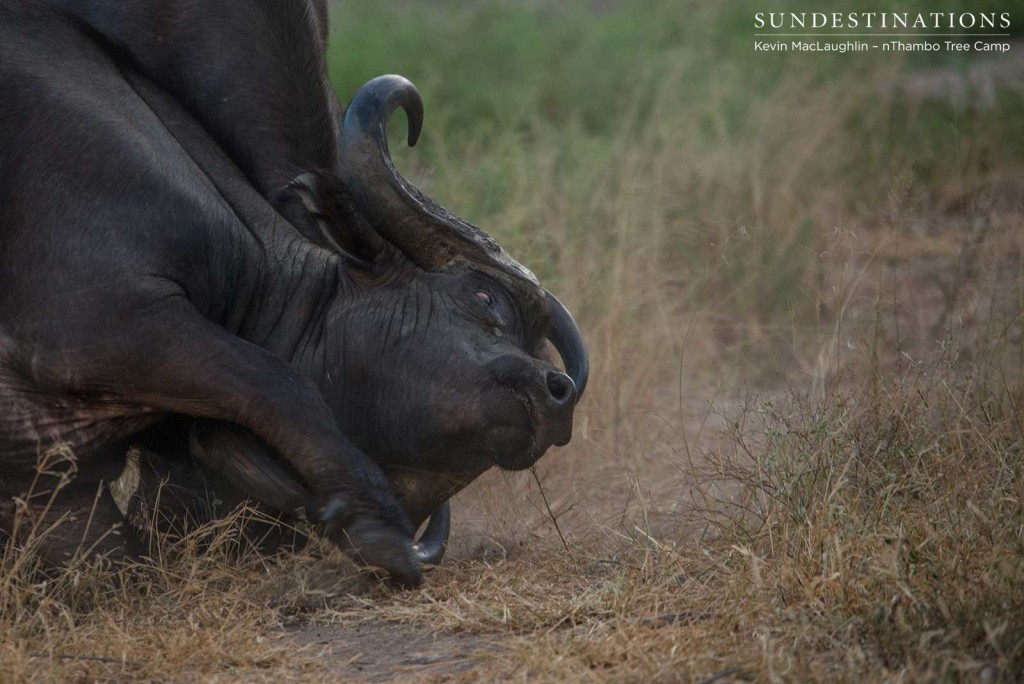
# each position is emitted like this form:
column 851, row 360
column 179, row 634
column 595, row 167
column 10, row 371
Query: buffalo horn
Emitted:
column 566, row 337
column 433, row 543
column 424, row 231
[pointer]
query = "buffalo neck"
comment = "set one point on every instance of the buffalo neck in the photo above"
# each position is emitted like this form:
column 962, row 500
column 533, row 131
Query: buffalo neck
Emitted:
column 264, row 281
column 280, row 300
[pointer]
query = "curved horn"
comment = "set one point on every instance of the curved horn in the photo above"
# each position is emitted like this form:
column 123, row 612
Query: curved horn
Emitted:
column 566, row 337
column 433, row 543
column 426, row 232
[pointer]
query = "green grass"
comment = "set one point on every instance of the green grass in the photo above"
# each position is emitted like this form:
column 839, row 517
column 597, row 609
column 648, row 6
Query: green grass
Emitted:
column 522, row 97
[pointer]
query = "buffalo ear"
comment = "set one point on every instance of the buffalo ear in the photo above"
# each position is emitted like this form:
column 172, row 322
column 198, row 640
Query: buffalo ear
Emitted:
column 329, row 218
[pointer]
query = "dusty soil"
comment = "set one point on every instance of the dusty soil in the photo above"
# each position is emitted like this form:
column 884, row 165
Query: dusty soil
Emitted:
column 501, row 520
column 380, row 651
column 375, row 651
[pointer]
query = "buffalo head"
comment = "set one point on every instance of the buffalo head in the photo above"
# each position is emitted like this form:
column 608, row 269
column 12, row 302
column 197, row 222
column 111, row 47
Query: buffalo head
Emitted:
column 461, row 379
column 432, row 349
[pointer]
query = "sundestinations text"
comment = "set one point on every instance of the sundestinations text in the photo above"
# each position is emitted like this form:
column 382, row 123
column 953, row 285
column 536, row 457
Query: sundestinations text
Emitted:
column 882, row 20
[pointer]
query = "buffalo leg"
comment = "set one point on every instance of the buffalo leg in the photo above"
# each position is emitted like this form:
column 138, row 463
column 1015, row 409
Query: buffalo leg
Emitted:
column 245, row 463
column 197, row 368
column 236, row 468
column 166, row 493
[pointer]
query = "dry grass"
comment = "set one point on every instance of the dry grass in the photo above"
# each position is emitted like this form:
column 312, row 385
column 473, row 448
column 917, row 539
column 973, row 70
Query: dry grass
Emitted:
column 799, row 459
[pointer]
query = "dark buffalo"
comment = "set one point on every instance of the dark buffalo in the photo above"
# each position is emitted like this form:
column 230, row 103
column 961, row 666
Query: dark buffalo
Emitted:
column 196, row 240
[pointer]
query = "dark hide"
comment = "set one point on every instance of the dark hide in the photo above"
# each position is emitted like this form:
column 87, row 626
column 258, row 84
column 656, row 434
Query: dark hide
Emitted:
column 157, row 260
column 250, row 72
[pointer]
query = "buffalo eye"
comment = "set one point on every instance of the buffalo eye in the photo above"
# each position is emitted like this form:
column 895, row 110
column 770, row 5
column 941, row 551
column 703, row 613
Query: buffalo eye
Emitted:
column 485, row 297
column 499, row 314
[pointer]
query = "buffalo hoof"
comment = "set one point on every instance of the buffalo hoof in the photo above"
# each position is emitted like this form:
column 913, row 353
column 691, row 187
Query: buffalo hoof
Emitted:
column 379, row 546
column 374, row 543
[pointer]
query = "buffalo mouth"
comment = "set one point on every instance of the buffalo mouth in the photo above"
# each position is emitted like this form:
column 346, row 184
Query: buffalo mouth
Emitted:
column 545, row 409
column 421, row 491
column 513, row 447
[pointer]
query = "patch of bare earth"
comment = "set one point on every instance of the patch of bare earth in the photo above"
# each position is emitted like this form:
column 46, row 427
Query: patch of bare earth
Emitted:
column 378, row 651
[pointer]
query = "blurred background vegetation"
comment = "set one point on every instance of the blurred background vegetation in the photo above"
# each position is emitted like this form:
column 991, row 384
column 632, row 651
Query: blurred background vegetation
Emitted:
column 654, row 169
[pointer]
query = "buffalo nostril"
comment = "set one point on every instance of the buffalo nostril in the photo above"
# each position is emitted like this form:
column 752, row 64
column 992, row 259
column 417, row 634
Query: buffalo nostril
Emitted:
column 561, row 387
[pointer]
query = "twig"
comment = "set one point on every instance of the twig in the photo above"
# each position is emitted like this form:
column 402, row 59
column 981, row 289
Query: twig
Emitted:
column 722, row 674
column 98, row 659
column 551, row 513
column 687, row 617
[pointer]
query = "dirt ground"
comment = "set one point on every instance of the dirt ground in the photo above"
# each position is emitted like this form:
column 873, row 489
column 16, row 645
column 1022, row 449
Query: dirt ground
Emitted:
column 502, row 526
column 374, row 651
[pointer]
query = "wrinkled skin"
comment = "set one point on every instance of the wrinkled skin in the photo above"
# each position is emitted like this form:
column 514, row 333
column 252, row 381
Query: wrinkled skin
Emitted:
column 158, row 260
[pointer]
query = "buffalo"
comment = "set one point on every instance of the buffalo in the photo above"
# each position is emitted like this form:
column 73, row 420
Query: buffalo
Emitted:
column 204, row 257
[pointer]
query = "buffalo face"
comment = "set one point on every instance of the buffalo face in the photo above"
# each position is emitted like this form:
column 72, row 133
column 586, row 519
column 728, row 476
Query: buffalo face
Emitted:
column 445, row 362
column 447, row 376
